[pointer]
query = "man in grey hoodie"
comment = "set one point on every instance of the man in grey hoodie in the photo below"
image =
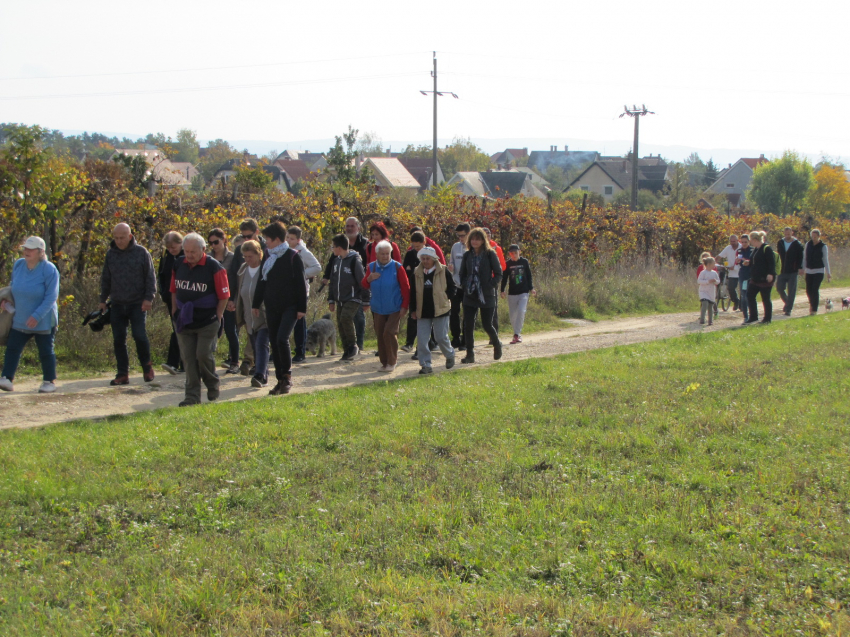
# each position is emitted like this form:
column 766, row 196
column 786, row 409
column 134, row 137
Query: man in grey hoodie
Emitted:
column 128, row 281
column 346, row 293
column 312, row 268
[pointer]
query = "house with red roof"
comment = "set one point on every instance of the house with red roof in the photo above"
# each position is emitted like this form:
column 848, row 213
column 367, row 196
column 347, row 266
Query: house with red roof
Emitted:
column 509, row 156
column 734, row 181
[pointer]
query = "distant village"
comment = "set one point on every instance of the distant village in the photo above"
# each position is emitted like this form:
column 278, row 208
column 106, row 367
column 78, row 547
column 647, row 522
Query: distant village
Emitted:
column 514, row 171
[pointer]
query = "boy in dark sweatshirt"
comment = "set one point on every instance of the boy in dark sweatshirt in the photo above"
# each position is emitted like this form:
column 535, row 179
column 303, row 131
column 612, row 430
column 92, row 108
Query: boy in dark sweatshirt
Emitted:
column 518, row 279
column 346, row 295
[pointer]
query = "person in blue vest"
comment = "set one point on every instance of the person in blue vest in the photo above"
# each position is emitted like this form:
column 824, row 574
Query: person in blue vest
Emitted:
column 35, row 289
column 815, row 266
column 390, row 288
column 199, row 293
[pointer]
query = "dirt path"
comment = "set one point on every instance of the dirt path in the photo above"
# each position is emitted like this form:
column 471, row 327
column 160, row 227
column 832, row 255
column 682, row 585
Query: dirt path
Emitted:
column 93, row 398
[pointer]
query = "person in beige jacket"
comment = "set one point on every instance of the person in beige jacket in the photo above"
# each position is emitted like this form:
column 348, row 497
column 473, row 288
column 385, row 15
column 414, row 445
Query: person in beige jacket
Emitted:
column 430, row 305
column 247, row 278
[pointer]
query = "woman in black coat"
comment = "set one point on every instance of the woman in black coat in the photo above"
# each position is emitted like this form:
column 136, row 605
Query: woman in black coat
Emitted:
column 283, row 294
column 480, row 274
column 762, row 276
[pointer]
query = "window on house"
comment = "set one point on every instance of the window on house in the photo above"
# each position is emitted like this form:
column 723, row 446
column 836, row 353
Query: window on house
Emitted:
column 585, row 188
column 730, row 185
column 609, row 190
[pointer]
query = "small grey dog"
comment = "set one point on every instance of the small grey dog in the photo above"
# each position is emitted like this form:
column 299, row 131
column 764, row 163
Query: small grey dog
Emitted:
column 321, row 334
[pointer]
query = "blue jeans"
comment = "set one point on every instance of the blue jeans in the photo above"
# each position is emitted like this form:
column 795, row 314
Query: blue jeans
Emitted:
column 744, row 304
column 260, row 343
column 280, row 329
column 120, row 315
column 440, row 327
column 15, row 346
column 232, row 335
column 300, row 333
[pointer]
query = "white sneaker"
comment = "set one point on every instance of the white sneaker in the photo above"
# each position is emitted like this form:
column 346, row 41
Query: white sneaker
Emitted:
column 5, row 384
column 47, row 388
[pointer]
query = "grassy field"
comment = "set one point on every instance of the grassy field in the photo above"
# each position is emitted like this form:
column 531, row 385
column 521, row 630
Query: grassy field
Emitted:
column 697, row 486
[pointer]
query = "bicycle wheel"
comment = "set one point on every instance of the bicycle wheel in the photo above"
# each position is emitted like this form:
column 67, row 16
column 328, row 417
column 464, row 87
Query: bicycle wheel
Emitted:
column 724, row 303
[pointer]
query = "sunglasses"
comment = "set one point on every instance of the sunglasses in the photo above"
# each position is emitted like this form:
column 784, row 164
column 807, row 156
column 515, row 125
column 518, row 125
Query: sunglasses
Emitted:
column 247, row 236
column 215, row 243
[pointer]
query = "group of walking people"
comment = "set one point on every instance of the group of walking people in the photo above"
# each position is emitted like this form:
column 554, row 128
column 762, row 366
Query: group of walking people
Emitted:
column 261, row 281
column 752, row 269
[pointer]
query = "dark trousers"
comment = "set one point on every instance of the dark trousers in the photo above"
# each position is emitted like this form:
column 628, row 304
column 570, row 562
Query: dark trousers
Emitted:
column 753, row 292
column 121, row 315
column 411, row 332
column 732, row 286
column 232, row 335
column 455, row 321
column 15, row 346
column 469, row 315
column 173, row 358
column 813, row 282
column 359, row 326
column 386, row 331
column 789, row 281
column 280, row 329
column 300, row 333
column 346, row 322
column 260, row 341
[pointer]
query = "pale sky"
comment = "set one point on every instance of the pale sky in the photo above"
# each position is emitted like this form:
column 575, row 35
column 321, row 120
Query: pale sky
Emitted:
column 719, row 75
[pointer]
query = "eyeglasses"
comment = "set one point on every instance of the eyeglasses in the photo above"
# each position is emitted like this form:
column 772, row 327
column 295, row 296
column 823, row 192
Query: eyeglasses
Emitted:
column 461, row 235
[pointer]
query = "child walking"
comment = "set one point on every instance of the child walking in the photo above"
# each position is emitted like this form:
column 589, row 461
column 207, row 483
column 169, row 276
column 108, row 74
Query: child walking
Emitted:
column 708, row 281
column 346, row 293
column 518, row 281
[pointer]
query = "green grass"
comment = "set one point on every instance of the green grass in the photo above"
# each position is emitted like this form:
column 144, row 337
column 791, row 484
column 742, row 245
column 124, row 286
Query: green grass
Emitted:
column 698, row 486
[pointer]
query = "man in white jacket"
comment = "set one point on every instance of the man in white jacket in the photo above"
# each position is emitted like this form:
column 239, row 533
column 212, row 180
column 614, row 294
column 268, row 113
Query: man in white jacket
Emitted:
column 729, row 255
column 312, row 268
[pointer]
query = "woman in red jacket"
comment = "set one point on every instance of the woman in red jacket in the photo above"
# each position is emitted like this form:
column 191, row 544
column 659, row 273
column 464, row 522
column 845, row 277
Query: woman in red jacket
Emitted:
column 379, row 232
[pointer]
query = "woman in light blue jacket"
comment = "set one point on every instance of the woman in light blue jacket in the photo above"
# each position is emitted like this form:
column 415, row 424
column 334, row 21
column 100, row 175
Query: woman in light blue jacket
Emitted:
column 35, row 289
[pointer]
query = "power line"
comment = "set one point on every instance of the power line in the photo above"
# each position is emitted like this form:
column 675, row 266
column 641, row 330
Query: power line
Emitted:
column 206, row 68
column 209, row 88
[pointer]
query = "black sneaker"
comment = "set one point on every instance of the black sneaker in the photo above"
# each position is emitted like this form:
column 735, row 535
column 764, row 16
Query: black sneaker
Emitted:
column 426, row 370
column 350, row 353
column 213, row 394
column 259, row 381
column 233, row 369
column 299, row 359
column 415, row 356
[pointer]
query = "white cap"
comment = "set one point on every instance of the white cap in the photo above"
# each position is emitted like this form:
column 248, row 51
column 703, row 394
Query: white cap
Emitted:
column 427, row 251
column 34, row 243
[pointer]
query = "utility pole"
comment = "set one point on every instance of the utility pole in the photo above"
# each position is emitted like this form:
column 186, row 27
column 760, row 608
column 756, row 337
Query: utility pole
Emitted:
column 435, row 119
column 436, row 95
column 635, row 113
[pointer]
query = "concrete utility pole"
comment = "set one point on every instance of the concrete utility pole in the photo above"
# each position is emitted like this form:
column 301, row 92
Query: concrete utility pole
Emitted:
column 436, row 95
column 636, row 113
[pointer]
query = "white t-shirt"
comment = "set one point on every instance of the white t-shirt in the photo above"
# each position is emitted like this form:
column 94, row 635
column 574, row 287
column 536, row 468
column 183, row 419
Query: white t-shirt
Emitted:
column 708, row 281
column 252, row 272
column 729, row 253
